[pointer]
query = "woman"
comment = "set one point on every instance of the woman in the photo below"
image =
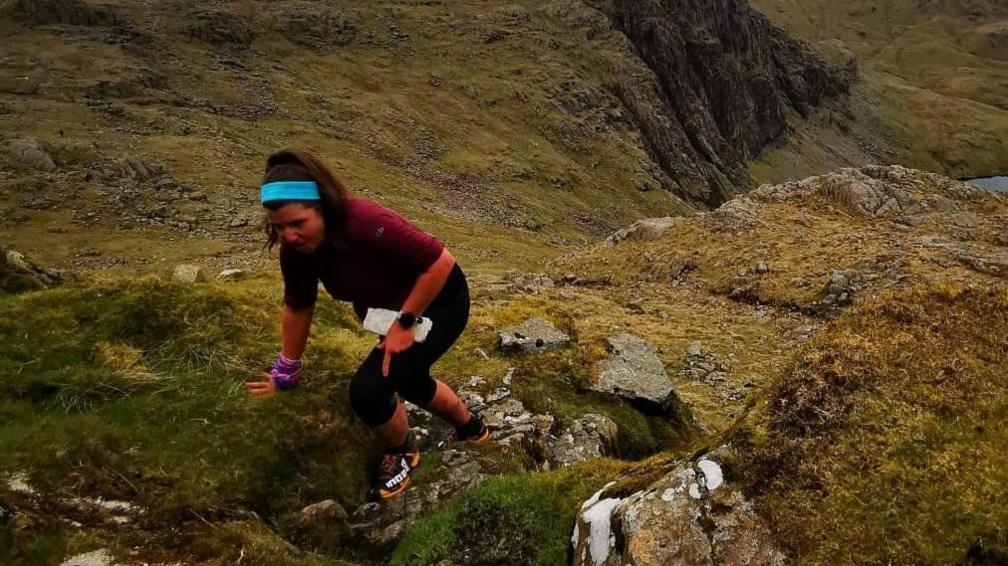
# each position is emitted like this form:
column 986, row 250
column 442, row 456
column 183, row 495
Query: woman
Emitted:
column 365, row 253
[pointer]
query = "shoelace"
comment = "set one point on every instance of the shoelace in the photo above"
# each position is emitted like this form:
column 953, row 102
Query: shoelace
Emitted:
column 389, row 464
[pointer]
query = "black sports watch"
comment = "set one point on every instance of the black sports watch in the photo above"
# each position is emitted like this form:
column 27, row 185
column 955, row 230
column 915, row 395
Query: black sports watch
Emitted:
column 406, row 319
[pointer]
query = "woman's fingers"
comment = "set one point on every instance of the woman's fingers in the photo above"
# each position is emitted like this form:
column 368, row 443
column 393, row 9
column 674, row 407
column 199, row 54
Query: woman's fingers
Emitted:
column 263, row 387
column 386, row 362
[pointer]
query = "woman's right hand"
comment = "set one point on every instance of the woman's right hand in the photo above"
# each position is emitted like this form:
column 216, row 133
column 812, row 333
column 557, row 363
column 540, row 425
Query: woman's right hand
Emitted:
column 265, row 387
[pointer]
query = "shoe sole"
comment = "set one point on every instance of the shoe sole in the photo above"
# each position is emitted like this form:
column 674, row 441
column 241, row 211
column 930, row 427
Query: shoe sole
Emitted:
column 414, row 464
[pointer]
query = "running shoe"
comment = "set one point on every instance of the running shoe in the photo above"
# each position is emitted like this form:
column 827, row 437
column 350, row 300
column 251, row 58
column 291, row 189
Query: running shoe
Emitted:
column 393, row 472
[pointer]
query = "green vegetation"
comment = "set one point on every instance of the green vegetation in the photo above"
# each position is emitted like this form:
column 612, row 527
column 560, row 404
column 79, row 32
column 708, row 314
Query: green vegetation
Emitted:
column 131, row 390
column 511, row 519
column 884, row 439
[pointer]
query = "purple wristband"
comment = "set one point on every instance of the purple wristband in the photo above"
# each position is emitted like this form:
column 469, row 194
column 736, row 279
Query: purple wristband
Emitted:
column 286, row 372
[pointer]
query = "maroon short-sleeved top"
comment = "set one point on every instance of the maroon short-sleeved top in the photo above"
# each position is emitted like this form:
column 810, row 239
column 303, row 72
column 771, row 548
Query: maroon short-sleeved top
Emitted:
column 384, row 255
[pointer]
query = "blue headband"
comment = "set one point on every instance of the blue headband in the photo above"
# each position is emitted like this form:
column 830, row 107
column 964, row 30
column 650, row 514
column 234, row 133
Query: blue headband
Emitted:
column 289, row 190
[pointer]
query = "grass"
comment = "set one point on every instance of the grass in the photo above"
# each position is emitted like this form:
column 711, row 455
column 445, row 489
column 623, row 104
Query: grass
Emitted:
column 131, row 389
column 883, row 440
column 511, row 519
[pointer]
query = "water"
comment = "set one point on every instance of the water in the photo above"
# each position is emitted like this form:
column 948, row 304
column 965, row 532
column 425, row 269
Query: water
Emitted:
column 993, row 183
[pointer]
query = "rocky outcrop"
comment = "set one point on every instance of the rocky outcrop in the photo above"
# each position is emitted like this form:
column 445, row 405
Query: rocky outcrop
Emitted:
column 72, row 12
column 718, row 81
column 221, row 28
column 320, row 27
column 822, row 243
column 876, row 191
column 514, row 428
column 689, row 516
column 643, row 230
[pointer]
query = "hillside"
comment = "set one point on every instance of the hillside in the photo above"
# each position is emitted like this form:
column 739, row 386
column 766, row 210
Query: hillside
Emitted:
column 512, row 131
column 729, row 304
column 934, row 75
column 121, row 379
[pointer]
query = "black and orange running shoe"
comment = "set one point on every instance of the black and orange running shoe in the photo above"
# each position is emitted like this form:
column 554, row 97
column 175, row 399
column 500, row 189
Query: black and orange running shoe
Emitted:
column 475, row 431
column 394, row 472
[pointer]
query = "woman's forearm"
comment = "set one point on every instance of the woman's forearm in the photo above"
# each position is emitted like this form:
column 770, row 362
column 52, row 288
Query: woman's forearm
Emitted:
column 429, row 284
column 294, row 328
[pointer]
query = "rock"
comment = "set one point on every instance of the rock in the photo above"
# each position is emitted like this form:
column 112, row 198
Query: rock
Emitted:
column 840, row 289
column 324, row 510
column 318, row 26
column 221, row 28
column 188, row 273
column 232, row 274
column 643, row 230
column 973, row 256
column 533, row 335
column 964, row 220
column 735, row 215
column 590, row 436
column 134, row 168
column 876, row 192
column 634, row 371
column 709, row 85
column 29, row 153
column 18, row 274
column 322, row 525
column 689, row 516
column 72, row 12
column 100, row 557
column 704, row 366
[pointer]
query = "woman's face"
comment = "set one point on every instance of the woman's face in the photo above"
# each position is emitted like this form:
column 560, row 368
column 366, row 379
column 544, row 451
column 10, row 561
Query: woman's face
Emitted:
column 298, row 226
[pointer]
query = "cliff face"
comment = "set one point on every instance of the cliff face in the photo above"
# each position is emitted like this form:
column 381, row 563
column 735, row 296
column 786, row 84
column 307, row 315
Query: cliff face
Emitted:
column 722, row 79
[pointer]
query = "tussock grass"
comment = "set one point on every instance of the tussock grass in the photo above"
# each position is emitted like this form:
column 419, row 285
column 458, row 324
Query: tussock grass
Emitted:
column 132, row 389
column 884, row 440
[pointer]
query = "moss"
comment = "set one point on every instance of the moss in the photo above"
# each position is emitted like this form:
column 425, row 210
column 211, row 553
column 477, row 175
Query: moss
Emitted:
column 511, row 519
column 884, row 439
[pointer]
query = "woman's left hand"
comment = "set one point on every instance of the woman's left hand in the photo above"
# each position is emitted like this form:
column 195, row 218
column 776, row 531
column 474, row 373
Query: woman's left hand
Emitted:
column 397, row 340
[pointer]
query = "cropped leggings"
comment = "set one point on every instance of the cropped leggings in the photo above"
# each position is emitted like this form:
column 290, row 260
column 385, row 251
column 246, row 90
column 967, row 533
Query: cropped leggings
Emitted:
column 373, row 396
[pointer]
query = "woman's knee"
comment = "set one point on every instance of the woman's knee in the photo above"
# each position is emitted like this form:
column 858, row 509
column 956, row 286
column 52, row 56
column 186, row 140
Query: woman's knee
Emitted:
column 371, row 395
column 415, row 384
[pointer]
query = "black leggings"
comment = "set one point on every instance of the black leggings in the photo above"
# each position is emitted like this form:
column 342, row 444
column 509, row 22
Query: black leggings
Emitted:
column 372, row 395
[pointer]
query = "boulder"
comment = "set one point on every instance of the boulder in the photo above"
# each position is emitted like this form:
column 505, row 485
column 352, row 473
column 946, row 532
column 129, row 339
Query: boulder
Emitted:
column 689, row 516
column 188, row 273
column 591, row 436
column 643, row 230
column 232, row 274
column 533, row 335
column 29, row 153
column 18, row 274
column 217, row 27
column 634, row 371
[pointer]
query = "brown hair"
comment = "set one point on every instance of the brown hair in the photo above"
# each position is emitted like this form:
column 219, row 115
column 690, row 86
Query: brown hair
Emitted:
column 303, row 165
